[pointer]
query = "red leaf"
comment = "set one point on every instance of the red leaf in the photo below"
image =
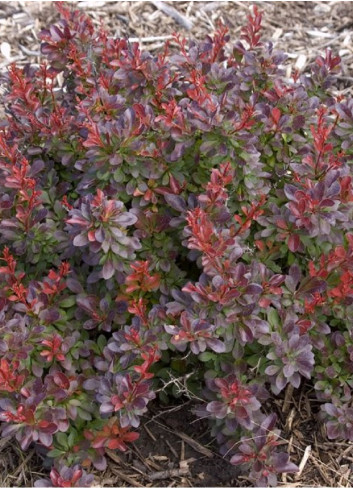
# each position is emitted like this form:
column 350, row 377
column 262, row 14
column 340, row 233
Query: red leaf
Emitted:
column 294, row 243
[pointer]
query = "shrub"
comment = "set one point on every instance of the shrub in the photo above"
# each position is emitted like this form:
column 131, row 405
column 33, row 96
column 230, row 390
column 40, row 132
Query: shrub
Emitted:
column 187, row 213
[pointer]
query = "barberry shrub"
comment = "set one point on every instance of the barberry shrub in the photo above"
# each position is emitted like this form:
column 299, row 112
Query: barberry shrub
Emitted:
column 185, row 213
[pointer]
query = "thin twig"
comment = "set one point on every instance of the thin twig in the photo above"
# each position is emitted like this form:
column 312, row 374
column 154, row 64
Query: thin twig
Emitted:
column 172, row 449
column 173, row 13
column 126, row 478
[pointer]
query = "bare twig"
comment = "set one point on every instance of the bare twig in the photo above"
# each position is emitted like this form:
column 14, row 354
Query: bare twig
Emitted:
column 166, row 474
column 173, row 13
column 194, row 444
column 172, row 449
column 149, row 433
column 287, row 398
column 126, row 478
column 345, row 453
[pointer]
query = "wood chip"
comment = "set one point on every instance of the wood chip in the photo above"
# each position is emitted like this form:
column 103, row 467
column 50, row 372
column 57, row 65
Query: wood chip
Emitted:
column 6, row 50
column 287, row 398
column 160, row 458
column 289, row 421
column 320, row 34
column 344, row 454
column 173, row 13
column 91, row 4
column 277, row 34
column 30, row 52
column 301, row 62
column 182, row 450
column 166, row 474
column 303, row 462
column 150, row 39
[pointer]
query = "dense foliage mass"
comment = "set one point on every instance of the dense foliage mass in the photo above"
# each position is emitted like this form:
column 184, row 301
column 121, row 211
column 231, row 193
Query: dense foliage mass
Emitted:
column 187, row 214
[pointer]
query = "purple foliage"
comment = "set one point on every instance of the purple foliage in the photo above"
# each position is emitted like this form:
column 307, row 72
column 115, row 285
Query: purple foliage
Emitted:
column 184, row 213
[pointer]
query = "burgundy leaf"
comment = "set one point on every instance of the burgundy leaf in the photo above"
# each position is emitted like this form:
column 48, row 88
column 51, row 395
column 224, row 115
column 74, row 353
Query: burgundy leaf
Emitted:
column 176, row 202
column 294, row 242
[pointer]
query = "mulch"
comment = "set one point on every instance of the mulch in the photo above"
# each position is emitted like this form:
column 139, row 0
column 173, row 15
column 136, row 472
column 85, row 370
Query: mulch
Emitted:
column 174, row 448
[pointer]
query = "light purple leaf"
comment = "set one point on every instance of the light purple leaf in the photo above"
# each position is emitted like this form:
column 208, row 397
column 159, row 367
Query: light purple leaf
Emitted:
column 108, row 270
column 91, row 384
column 333, row 430
column 43, row 483
column 45, row 438
column 219, row 409
column 9, row 430
column 125, row 219
column 288, row 370
column 99, row 462
column 272, row 370
column 216, row 345
column 290, row 191
column 237, row 459
column 80, row 240
column 331, row 409
column 106, row 408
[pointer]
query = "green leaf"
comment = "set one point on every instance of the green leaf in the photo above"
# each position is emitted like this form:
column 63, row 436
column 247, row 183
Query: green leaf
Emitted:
column 165, row 179
column 272, row 266
column 320, row 385
column 119, row 175
column 164, row 398
column 84, row 414
column 179, row 365
column 72, row 437
column 206, row 356
column 273, row 317
column 97, row 424
column 68, row 302
column 253, row 360
column 101, row 342
column 163, row 373
column 61, row 438
column 176, row 391
column 56, row 453
column 194, row 388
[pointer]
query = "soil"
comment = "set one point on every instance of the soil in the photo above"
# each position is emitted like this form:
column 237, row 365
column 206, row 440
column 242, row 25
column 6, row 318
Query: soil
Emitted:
column 168, row 429
column 175, row 449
